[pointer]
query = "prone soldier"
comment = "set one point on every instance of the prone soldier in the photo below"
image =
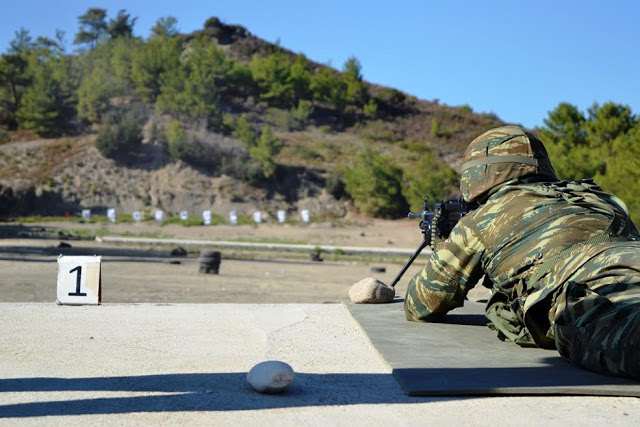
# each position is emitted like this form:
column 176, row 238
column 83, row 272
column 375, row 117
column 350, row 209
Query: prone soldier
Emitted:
column 562, row 257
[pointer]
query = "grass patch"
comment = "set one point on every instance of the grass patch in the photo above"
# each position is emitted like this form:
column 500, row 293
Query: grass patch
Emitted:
column 244, row 219
column 86, row 234
column 148, row 235
column 39, row 218
column 189, row 222
column 269, row 240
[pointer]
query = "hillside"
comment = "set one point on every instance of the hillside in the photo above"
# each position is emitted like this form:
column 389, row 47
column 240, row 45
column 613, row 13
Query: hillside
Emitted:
column 62, row 174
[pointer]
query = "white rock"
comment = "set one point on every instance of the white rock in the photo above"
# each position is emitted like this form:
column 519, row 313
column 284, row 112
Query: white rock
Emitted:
column 272, row 376
column 371, row 290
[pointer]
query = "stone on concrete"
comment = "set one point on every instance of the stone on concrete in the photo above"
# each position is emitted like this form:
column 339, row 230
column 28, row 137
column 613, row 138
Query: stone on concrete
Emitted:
column 271, row 376
column 371, row 291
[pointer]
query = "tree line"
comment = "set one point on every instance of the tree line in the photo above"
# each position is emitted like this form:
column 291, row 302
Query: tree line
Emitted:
column 117, row 82
column 603, row 144
column 45, row 90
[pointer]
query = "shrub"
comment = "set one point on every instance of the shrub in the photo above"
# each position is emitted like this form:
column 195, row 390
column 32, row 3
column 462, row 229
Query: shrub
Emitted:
column 378, row 131
column 370, row 108
column 335, row 185
column 212, row 23
column 391, row 96
column 328, row 86
column 235, row 166
column 374, row 183
column 300, row 114
column 264, row 152
column 180, row 146
column 4, row 136
column 157, row 132
column 254, row 174
column 429, row 178
column 272, row 73
column 435, row 127
column 121, row 132
column 283, row 119
column 244, row 132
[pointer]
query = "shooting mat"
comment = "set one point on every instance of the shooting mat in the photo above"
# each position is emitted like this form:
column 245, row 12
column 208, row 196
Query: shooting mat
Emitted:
column 463, row 357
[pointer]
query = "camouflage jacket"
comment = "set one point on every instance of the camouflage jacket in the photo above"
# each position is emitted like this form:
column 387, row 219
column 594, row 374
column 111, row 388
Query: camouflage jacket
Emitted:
column 508, row 240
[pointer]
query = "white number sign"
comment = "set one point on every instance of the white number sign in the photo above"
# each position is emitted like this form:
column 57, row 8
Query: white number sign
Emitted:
column 79, row 280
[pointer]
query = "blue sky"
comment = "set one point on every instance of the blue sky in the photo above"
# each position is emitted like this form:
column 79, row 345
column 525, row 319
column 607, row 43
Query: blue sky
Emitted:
column 513, row 58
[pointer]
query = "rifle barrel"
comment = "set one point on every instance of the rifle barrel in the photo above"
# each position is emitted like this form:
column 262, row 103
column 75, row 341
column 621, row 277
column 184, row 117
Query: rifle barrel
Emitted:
column 420, row 215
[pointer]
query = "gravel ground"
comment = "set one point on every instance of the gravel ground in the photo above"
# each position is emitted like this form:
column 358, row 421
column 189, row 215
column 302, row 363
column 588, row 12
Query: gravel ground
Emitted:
column 28, row 267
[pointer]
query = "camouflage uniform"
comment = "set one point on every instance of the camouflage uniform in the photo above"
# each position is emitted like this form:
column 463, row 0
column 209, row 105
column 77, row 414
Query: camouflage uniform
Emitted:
column 560, row 257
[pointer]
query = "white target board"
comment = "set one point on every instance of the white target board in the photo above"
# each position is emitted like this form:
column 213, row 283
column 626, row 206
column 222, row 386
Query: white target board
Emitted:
column 206, row 217
column 159, row 215
column 282, row 216
column 111, row 214
column 79, row 280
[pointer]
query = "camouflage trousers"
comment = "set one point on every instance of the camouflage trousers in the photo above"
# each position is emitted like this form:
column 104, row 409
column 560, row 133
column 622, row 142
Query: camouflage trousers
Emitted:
column 597, row 312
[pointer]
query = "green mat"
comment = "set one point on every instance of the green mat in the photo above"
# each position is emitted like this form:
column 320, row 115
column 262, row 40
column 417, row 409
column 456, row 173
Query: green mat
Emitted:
column 463, row 357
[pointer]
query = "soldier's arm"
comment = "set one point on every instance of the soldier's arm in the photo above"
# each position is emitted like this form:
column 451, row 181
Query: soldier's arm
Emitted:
column 453, row 269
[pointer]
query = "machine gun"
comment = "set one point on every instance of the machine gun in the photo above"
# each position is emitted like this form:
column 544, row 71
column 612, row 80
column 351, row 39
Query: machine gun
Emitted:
column 436, row 224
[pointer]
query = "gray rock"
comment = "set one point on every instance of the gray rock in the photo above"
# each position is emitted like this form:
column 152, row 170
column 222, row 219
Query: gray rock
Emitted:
column 271, row 376
column 371, row 291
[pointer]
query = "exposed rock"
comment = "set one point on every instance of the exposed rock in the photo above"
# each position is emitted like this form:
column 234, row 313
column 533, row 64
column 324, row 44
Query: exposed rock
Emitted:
column 271, row 376
column 371, row 291
column 77, row 176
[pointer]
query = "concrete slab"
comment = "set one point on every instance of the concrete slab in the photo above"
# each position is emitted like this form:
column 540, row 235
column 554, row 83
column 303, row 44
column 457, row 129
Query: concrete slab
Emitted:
column 461, row 357
column 133, row 364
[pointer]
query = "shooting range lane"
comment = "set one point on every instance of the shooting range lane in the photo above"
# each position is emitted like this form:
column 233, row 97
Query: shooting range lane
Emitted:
column 464, row 357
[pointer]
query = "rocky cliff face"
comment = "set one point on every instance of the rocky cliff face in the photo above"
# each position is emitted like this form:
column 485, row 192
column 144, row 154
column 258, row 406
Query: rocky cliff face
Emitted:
column 52, row 177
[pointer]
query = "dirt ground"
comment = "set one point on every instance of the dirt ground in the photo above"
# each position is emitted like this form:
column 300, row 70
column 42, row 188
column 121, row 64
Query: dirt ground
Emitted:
column 28, row 268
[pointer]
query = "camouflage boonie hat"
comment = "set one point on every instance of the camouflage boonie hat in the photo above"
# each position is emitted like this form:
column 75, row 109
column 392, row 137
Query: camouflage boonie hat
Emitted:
column 500, row 155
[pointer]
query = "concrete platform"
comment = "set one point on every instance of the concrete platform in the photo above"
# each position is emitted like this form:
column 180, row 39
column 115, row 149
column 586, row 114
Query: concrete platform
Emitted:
column 186, row 364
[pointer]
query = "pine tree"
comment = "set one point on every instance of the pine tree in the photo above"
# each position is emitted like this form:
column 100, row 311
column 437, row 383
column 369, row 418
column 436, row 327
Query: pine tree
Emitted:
column 92, row 27
column 14, row 81
column 375, row 184
column 267, row 147
column 121, row 25
column 356, row 91
column 165, row 27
